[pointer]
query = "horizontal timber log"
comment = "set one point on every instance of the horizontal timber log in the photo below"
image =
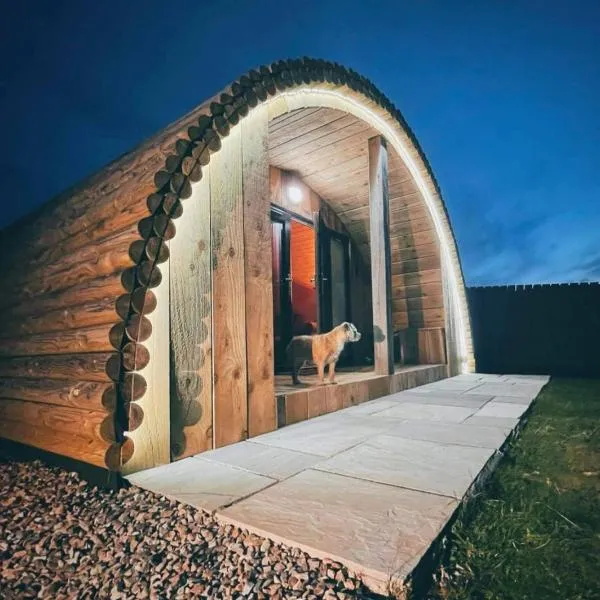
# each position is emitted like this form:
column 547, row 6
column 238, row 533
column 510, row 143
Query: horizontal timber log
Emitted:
column 417, row 291
column 119, row 453
column 78, row 394
column 89, row 292
column 415, row 265
column 76, row 317
column 403, row 213
column 414, row 253
column 418, row 303
column 101, row 223
column 411, row 227
column 63, row 430
column 141, row 301
column 91, row 262
column 411, row 240
column 418, row 278
column 428, row 317
column 93, row 339
column 407, row 209
column 132, row 357
column 91, row 367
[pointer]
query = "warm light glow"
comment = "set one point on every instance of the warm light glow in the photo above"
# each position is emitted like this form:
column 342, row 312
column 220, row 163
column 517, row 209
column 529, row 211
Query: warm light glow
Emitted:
column 294, row 194
column 343, row 102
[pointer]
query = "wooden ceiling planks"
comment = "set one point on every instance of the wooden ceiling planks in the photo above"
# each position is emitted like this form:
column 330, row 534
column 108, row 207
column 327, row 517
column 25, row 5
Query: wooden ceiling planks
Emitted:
column 324, row 135
column 328, row 149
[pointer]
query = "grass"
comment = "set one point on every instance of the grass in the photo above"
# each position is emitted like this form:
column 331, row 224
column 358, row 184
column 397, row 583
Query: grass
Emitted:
column 534, row 531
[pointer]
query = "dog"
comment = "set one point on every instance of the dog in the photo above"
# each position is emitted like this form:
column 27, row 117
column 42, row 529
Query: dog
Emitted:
column 322, row 349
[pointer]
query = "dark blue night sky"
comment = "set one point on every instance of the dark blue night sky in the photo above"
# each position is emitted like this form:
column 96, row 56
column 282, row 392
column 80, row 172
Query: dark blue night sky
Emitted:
column 504, row 97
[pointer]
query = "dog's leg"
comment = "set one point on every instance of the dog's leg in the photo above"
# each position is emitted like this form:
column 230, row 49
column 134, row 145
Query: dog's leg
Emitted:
column 296, row 371
column 291, row 362
column 332, row 372
column 321, row 370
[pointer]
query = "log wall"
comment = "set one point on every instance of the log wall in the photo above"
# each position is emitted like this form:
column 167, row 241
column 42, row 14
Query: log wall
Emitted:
column 77, row 287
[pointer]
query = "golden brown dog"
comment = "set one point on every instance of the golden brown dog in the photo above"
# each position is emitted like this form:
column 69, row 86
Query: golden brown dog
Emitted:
column 322, row 349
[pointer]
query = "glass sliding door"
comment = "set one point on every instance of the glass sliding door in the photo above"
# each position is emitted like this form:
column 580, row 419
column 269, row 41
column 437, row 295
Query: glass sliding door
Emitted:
column 294, row 281
column 334, row 275
column 339, row 284
column 280, row 243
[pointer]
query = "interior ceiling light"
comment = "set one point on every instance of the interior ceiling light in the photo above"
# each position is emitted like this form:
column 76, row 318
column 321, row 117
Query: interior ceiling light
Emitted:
column 295, row 194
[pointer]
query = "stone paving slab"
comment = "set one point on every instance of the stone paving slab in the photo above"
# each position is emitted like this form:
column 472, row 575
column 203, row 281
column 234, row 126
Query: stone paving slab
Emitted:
column 459, row 434
column 502, row 409
column 426, row 412
column 503, row 423
column 519, row 390
column 368, row 408
column 426, row 391
column 376, row 530
column 200, row 483
column 440, row 398
column 275, row 463
column 543, row 379
column 513, row 400
column 445, row 385
column 321, row 435
column 477, row 377
column 414, row 464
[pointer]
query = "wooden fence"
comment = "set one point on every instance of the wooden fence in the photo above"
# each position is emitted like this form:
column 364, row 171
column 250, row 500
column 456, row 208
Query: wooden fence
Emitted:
column 545, row 329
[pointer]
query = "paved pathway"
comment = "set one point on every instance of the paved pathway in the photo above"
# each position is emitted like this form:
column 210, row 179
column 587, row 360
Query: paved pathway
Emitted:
column 371, row 486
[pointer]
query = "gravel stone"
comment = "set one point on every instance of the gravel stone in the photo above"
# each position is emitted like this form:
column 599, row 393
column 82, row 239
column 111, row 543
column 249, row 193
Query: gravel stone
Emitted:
column 63, row 538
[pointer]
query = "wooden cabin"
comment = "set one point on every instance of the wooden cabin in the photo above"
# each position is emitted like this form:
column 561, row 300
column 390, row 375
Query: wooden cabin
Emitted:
column 146, row 311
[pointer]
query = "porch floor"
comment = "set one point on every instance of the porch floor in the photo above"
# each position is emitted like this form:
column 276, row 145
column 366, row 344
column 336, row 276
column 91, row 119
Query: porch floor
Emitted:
column 344, row 375
column 371, row 486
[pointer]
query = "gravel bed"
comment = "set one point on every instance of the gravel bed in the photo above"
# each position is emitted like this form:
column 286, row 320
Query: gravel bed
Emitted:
column 62, row 538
